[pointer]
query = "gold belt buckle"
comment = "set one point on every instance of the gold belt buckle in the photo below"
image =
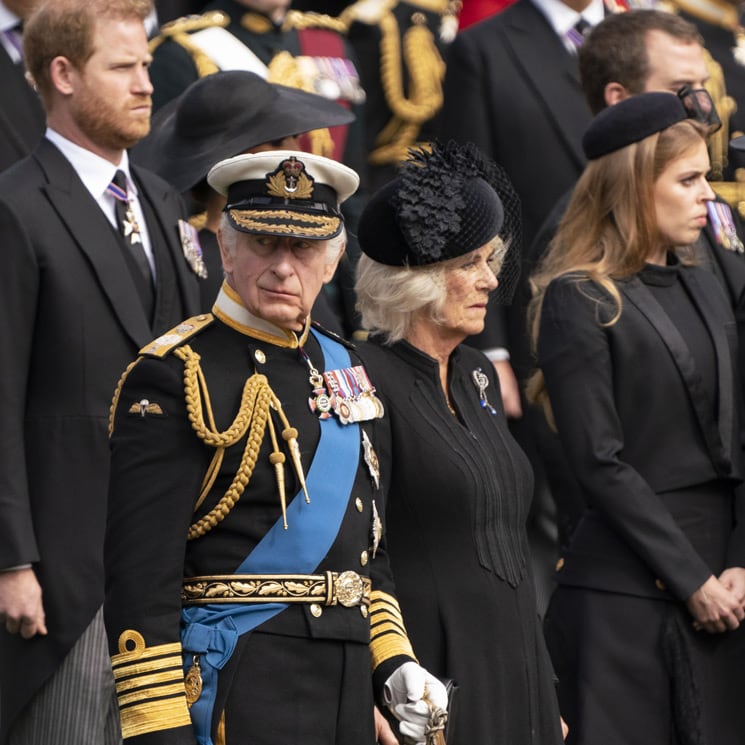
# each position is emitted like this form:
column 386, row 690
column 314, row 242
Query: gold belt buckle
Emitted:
column 349, row 589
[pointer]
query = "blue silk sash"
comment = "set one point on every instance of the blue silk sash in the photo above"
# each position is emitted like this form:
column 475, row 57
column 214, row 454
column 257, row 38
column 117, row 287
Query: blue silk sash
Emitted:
column 212, row 631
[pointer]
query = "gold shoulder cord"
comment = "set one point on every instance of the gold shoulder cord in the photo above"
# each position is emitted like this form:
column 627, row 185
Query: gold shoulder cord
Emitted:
column 284, row 70
column 725, row 106
column 252, row 418
column 733, row 192
column 117, row 393
column 179, row 31
column 296, row 19
column 426, row 72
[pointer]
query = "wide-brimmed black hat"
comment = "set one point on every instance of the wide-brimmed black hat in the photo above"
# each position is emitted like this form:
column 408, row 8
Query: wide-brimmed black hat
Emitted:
column 224, row 114
column 284, row 192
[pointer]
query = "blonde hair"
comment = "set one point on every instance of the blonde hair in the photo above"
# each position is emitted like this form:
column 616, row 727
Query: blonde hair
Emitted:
column 389, row 297
column 610, row 225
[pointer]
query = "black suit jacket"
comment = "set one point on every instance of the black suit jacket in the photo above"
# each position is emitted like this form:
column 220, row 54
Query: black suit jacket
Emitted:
column 635, row 423
column 513, row 89
column 21, row 115
column 71, row 322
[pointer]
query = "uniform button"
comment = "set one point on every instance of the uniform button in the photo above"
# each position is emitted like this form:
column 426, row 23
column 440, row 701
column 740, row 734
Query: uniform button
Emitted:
column 315, row 610
column 660, row 585
column 363, row 611
column 358, row 504
column 364, row 558
column 559, row 564
column 259, row 356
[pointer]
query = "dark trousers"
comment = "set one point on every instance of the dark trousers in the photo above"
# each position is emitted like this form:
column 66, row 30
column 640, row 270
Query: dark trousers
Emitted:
column 282, row 689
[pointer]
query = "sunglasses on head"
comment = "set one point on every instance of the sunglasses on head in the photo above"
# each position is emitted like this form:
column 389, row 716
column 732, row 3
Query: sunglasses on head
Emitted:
column 700, row 107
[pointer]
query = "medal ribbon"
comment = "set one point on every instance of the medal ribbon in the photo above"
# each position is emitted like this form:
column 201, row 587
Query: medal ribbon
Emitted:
column 212, row 631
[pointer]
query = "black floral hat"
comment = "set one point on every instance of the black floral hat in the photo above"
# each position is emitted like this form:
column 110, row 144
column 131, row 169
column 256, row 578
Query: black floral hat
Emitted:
column 446, row 201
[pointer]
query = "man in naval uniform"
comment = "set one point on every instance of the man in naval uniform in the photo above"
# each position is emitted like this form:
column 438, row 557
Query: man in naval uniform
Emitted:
column 248, row 588
column 300, row 50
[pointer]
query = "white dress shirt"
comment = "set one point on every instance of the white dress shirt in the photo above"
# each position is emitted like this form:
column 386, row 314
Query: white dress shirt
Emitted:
column 96, row 173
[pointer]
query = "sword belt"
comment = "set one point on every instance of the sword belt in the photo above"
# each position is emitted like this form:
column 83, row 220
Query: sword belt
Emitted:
column 347, row 589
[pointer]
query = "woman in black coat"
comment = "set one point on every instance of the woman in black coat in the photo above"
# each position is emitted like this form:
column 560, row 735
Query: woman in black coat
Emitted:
column 637, row 355
column 459, row 486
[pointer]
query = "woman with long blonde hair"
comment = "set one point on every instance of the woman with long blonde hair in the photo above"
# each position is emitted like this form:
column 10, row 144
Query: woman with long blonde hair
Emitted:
column 636, row 349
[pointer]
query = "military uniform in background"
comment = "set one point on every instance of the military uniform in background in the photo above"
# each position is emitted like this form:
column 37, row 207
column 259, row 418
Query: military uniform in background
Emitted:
column 720, row 25
column 202, row 438
column 307, row 51
column 401, row 48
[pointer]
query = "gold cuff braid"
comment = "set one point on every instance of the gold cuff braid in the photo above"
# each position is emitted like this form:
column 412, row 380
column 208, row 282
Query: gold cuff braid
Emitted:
column 388, row 636
column 149, row 685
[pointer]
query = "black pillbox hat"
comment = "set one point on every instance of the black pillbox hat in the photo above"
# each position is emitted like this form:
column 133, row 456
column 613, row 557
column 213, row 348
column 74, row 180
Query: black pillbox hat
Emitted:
column 631, row 120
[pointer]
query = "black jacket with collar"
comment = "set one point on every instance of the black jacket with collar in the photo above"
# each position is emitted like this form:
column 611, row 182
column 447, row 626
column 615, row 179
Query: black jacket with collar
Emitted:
column 71, row 322
column 634, row 423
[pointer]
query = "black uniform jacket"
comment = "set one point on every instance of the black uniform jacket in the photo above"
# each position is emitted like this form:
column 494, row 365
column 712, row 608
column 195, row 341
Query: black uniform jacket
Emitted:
column 513, row 89
column 401, row 55
column 173, row 68
column 635, row 423
column 158, row 467
column 71, row 321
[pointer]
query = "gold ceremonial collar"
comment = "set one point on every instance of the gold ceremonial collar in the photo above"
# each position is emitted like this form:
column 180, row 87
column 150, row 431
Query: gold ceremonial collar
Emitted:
column 231, row 311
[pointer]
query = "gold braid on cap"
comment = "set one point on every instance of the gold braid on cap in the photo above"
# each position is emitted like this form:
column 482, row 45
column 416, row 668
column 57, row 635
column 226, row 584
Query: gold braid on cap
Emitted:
column 254, row 413
column 426, row 72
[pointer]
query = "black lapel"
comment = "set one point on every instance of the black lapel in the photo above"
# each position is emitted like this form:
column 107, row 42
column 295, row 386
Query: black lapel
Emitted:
column 549, row 70
column 643, row 299
column 167, row 217
column 725, row 373
column 93, row 234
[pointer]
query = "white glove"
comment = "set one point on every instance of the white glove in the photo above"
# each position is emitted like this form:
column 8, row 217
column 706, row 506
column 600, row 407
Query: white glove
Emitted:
column 404, row 692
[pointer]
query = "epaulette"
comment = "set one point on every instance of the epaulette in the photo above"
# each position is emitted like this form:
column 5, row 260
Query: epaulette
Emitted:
column 369, row 12
column 166, row 343
column 332, row 335
column 187, row 25
column 298, row 20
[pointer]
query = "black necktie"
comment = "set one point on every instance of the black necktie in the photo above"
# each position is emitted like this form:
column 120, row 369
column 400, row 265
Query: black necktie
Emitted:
column 129, row 230
column 576, row 34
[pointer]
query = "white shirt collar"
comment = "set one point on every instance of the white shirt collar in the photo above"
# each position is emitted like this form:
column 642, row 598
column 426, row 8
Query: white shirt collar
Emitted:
column 94, row 171
column 231, row 311
column 562, row 18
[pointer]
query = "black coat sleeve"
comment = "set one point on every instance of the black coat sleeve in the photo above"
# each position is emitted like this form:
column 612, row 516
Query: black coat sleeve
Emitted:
column 156, row 470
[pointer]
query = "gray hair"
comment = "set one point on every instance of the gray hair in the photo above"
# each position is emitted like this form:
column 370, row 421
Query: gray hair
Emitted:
column 389, row 297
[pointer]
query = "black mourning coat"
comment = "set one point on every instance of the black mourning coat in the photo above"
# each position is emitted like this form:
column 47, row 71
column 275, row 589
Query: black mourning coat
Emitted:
column 71, row 322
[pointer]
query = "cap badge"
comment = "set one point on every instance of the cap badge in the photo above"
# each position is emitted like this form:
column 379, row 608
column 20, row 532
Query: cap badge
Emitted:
column 290, row 180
